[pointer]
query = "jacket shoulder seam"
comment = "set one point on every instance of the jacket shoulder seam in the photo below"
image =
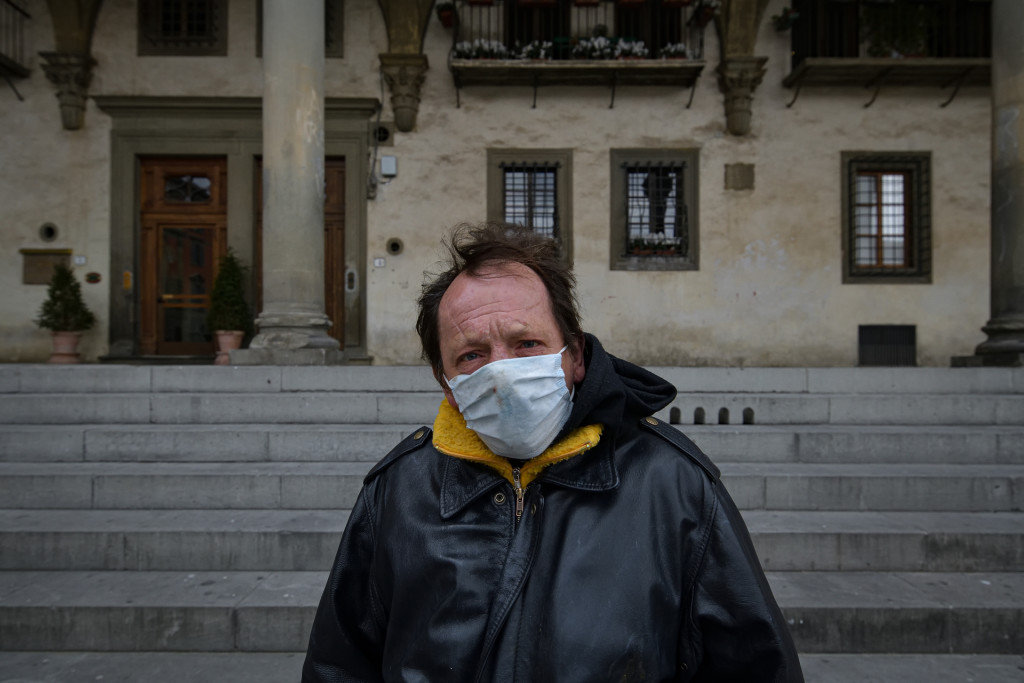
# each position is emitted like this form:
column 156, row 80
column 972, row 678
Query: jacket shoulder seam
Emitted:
column 682, row 443
column 407, row 445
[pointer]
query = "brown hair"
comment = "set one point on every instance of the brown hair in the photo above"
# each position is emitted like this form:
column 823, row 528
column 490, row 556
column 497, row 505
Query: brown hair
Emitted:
column 472, row 247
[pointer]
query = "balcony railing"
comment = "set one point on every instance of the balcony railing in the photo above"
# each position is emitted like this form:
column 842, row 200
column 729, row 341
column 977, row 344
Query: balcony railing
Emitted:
column 902, row 42
column 13, row 50
column 578, row 42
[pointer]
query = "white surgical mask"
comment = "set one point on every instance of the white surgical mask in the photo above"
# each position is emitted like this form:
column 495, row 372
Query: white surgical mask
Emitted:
column 516, row 406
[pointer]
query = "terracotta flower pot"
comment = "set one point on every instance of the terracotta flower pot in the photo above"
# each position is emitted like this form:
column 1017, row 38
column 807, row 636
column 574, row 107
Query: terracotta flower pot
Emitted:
column 227, row 340
column 65, row 347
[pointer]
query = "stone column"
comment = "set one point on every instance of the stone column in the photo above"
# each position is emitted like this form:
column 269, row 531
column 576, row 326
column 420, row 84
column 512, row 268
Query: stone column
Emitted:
column 1005, row 328
column 292, row 325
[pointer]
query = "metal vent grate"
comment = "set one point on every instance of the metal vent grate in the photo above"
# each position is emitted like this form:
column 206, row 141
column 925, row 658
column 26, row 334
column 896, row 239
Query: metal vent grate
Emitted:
column 887, row 345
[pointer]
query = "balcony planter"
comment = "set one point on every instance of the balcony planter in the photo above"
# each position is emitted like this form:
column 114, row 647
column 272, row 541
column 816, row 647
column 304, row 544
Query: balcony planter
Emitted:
column 446, row 14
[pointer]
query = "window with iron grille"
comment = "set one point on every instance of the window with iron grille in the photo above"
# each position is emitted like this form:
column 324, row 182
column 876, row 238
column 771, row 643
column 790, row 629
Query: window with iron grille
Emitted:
column 886, row 217
column 531, row 188
column 183, row 27
column 654, row 209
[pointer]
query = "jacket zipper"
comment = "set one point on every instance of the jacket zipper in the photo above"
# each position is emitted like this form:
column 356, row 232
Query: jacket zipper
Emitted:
column 517, row 486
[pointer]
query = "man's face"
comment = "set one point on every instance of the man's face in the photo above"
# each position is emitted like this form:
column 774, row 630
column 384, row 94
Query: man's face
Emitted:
column 501, row 312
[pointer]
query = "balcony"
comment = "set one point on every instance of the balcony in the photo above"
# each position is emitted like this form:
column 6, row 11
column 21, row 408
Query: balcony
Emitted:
column 578, row 42
column 940, row 43
column 13, row 51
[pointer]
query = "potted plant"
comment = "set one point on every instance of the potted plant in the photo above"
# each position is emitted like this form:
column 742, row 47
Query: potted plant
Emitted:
column 897, row 29
column 535, row 49
column 705, row 11
column 229, row 316
column 630, row 49
column 65, row 314
column 446, row 13
column 674, row 51
column 481, row 48
column 597, row 47
column 785, row 19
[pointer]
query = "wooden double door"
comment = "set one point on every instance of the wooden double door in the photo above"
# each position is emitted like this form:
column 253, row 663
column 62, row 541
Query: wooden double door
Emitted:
column 183, row 222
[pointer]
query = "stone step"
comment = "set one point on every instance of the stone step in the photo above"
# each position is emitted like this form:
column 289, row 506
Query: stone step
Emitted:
column 151, row 667
column 334, row 407
column 844, row 612
column 85, row 378
column 927, row 668
column 828, row 612
column 270, row 540
column 335, row 485
column 978, row 444
column 275, row 667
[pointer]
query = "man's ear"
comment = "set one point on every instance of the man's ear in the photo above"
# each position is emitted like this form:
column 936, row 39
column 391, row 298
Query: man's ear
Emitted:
column 447, row 391
column 579, row 368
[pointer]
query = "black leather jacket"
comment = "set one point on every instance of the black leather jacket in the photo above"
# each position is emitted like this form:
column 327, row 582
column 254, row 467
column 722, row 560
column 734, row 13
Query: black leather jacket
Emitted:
column 630, row 563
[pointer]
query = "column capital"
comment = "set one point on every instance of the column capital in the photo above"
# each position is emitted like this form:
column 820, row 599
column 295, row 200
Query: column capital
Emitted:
column 72, row 74
column 404, row 74
column 738, row 77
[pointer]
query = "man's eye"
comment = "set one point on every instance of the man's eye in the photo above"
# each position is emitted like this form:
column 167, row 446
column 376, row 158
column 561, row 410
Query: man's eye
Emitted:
column 530, row 344
column 472, row 355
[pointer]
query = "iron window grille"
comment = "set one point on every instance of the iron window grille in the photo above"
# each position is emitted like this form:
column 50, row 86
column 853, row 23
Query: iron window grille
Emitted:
column 887, row 345
column 530, row 196
column 13, row 48
column 880, row 28
column 657, row 222
column 516, row 24
column 183, row 27
column 887, row 218
column 653, row 222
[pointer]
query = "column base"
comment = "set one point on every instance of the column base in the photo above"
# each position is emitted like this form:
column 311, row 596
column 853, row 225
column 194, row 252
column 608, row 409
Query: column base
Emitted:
column 287, row 357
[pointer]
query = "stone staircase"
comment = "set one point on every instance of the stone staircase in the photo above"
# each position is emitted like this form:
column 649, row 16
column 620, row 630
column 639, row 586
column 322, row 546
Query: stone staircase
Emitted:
column 176, row 523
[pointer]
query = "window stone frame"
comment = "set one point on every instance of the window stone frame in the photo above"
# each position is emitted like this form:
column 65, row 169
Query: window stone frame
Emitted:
column 617, row 258
column 918, row 166
column 563, row 191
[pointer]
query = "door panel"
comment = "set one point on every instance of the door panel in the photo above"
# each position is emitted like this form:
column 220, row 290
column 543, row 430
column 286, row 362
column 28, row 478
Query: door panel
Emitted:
column 184, row 234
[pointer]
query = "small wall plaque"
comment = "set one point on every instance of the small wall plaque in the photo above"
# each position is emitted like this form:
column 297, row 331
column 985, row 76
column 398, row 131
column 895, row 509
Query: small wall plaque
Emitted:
column 37, row 264
column 93, row 278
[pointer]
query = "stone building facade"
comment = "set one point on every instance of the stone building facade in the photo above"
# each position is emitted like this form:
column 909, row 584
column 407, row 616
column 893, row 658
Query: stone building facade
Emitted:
column 710, row 204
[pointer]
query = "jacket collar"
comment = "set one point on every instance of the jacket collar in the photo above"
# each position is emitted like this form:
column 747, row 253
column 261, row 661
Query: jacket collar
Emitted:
column 463, row 480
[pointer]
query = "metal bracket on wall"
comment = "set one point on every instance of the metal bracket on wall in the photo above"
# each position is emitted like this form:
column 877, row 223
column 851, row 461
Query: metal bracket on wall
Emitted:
column 615, row 79
column 958, row 81
column 795, row 95
column 11, row 83
column 877, row 83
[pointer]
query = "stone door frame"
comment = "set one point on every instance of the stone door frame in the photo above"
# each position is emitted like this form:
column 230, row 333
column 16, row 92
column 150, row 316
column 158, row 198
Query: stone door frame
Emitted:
column 232, row 127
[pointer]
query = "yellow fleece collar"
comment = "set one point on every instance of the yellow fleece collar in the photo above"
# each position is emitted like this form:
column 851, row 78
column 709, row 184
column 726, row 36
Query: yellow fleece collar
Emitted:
column 452, row 437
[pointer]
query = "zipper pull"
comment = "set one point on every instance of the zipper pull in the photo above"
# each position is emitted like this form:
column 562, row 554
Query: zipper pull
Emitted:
column 519, row 493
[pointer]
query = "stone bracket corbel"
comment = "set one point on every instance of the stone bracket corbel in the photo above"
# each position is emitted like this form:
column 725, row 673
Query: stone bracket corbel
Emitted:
column 72, row 74
column 404, row 74
column 738, row 77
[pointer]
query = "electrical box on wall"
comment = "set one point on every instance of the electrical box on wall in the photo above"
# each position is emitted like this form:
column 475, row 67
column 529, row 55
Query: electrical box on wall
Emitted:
column 388, row 166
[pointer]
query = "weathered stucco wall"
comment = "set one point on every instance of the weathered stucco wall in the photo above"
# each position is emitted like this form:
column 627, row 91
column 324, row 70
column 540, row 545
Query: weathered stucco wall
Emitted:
column 769, row 289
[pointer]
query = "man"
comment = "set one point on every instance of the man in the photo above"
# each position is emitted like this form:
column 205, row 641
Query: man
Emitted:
column 547, row 529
